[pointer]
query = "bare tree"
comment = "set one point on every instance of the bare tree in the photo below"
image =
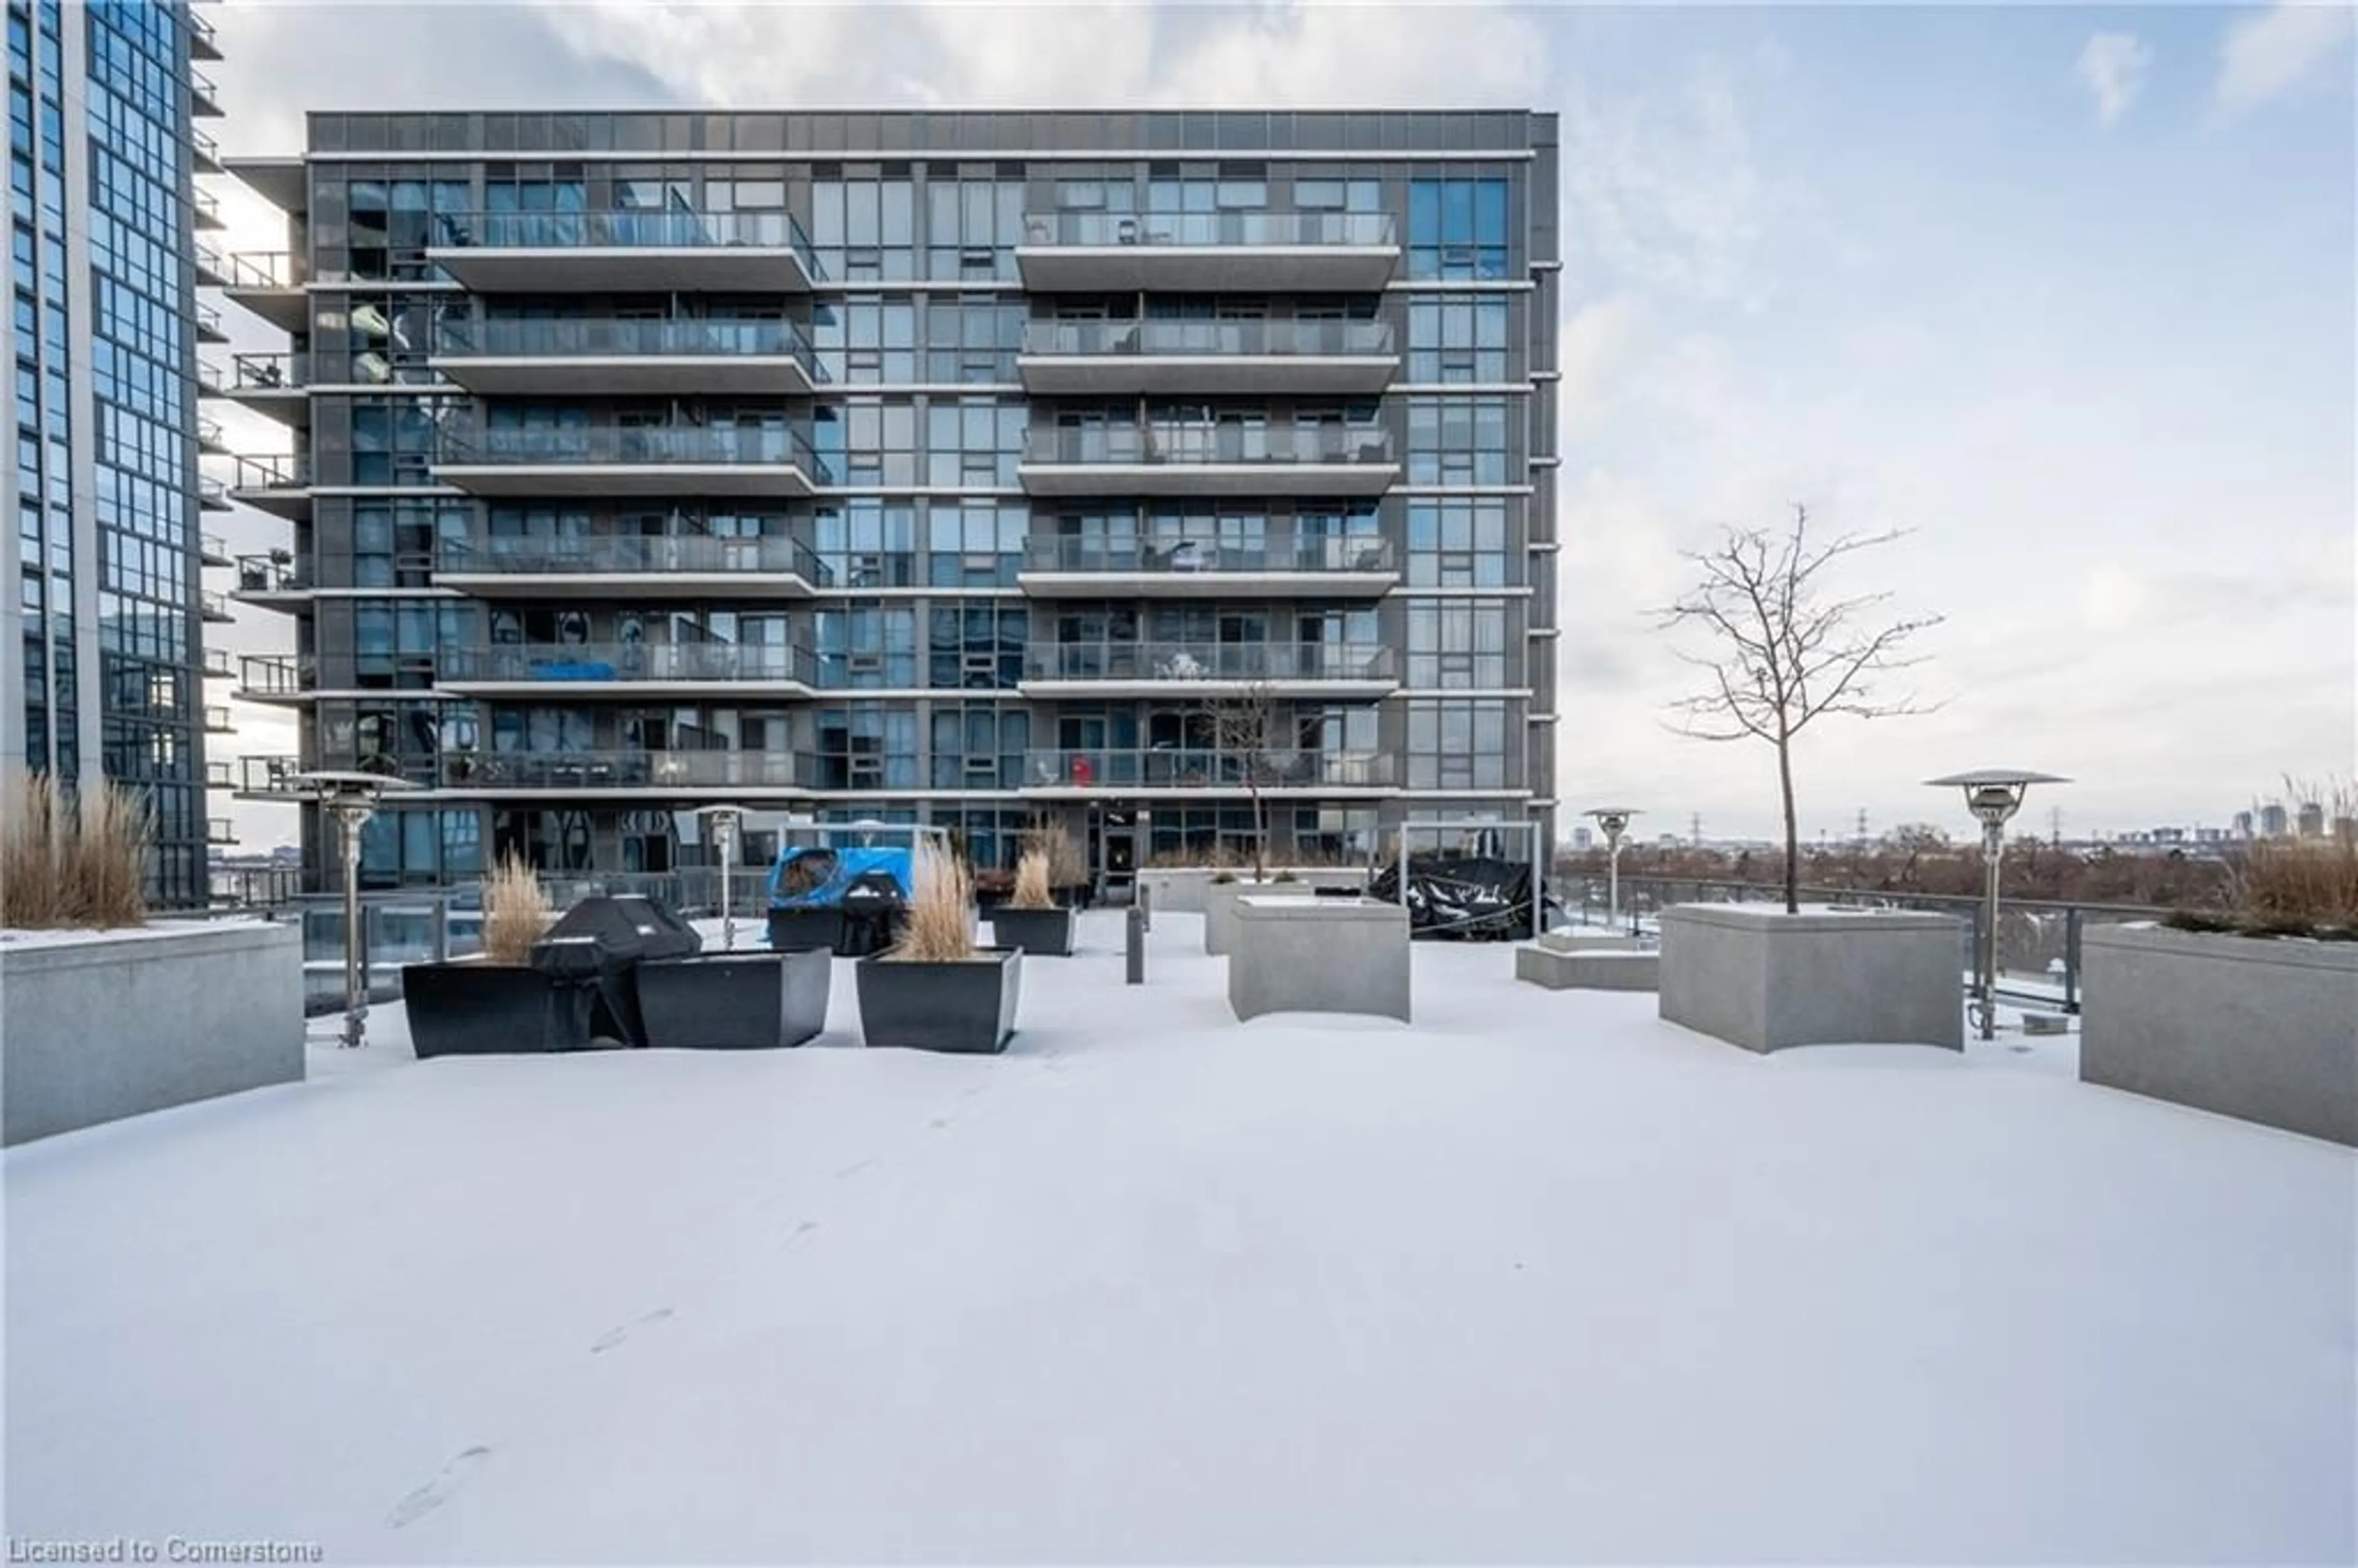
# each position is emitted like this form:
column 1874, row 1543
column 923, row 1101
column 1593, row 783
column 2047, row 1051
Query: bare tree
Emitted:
column 1787, row 648
column 1246, row 727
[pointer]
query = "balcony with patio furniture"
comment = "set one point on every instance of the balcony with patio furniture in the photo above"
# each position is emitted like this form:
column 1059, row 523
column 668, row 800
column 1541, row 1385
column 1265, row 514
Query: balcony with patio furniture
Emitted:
column 1145, row 567
column 1337, row 670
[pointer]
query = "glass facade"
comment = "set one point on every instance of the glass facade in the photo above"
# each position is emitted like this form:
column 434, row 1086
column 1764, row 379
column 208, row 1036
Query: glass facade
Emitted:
column 107, row 652
column 950, row 468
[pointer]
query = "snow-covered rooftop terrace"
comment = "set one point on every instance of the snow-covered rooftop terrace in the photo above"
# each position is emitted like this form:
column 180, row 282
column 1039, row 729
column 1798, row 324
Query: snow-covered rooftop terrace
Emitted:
column 1537, row 1278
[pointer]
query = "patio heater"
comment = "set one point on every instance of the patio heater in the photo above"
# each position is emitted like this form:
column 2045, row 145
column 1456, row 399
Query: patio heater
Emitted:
column 1993, row 795
column 351, row 798
column 724, row 821
column 1615, row 821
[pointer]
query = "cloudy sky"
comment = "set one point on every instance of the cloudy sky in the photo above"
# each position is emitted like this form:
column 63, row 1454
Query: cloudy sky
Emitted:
column 2067, row 294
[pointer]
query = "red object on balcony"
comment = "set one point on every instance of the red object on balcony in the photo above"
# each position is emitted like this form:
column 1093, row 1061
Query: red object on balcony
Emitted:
column 1082, row 771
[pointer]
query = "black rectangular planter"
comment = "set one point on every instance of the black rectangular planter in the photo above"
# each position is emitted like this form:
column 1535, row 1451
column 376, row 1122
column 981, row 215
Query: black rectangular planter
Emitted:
column 966, row 1005
column 1043, row 933
column 490, row 1010
column 801, row 930
column 735, row 1001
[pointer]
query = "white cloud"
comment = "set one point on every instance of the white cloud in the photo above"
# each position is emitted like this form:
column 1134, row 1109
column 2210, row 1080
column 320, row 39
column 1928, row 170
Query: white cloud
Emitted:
column 2114, row 66
column 2265, row 56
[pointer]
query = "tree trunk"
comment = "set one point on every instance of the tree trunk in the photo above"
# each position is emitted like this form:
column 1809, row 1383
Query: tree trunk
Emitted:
column 1260, row 834
column 1793, row 831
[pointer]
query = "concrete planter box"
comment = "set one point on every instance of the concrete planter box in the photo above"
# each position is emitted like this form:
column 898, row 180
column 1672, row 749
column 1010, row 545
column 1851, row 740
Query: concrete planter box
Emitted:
column 1318, row 955
column 1755, row 977
column 1041, row 933
column 98, row 1026
column 2264, row 1030
column 966, row 1005
column 1590, row 969
column 1569, row 939
column 735, row 1001
column 1182, row 891
column 1220, row 909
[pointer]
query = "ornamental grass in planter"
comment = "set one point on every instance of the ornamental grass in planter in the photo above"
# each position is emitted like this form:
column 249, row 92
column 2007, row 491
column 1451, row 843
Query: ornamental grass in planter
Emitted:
column 1030, row 920
column 65, row 865
column 936, row 990
column 496, row 1003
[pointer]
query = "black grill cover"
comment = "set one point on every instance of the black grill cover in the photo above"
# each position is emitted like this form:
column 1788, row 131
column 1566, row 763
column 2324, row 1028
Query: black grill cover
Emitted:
column 627, row 928
column 1469, row 897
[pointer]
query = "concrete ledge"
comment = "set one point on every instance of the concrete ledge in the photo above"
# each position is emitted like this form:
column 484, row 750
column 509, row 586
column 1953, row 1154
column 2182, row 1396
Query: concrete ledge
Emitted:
column 2264, row 1030
column 1180, row 890
column 1598, row 970
column 1221, row 906
column 100, row 1026
column 1572, row 939
column 1319, row 954
column 1756, row 977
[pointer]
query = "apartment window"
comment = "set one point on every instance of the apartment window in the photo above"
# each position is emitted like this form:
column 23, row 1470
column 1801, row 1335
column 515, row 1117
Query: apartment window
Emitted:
column 1458, row 543
column 1456, row 340
column 1458, row 441
column 864, row 230
column 867, row 341
column 868, row 442
column 977, row 647
column 975, row 544
column 1458, row 230
column 972, row 227
column 868, row 645
column 1458, row 744
column 868, row 543
column 973, row 443
column 980, row 746
column 1457, row 643
column 868, row 745
column 972, row 341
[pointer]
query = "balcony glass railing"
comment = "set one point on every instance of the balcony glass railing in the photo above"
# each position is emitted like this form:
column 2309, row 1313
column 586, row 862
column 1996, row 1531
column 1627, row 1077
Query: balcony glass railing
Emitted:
column 282, row 472
column 622, row 228
column 1134, row 554
column 217, row 720
column 634, row 553
column 269, row 373
column 220, row 773
column 598, row 662
column 265, row 269
column 213, row 548
column 617, row 770
column 267, row 574
column 272, row 675
column 635, row 446
column 219, row 830
column 212, row 604
column 207, row 150
column 210, row 267
column 1207, row 661
column 1221, row 443
column 1303, row 338
column 269, row 774
column 209, row 321
column 1273, row 230
column 619, row 338
column 217, row 663
column 1188, row 767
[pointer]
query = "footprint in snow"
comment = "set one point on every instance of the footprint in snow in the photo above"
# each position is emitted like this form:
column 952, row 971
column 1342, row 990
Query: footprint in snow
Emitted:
column 801, row 1232
column 613, row 1337
column 853, row 1168
column 439, row 1490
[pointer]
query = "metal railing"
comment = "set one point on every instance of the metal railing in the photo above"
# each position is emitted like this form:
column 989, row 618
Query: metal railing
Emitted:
column 283, row 471
column 207, row 150
column 623, row 229
column 1300, row 338
column 217, row 720
column 770, row 555
column 210, row 267
column 207, row 207
column 265, row 269
column 1215, row 443
column 212, row 604
column 281, row 372
column 1208, row 661
column 209, row 321
column 201, row 89
column 274, row 675
column 268, row 574
column 216, row 665
column 598, row 662
column 2037, row 940
column 268, row 775
column 209, row 436
column 621, row 337
column 1188, row 767
column 633, row 445
column 1311, row 553
column 219, row 830
column 1286, row 229
column 219, row 774
column 213, row 548
column 211, row 490
column 202, row 32
column 619, row 770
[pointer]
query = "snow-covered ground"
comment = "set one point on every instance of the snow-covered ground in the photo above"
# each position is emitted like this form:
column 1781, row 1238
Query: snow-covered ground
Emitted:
column 1537, row 1278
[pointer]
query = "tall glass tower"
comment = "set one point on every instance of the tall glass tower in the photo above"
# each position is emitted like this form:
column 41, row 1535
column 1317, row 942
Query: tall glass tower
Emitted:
column 102, row 661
